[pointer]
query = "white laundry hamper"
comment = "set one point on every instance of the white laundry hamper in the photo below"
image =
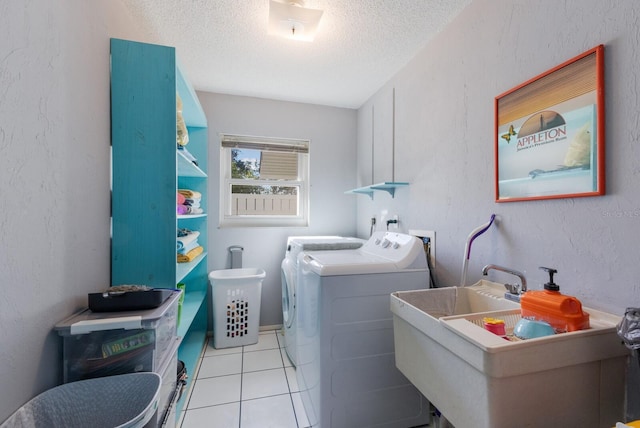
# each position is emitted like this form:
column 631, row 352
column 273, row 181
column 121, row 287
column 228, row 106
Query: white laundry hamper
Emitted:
column 235, row 299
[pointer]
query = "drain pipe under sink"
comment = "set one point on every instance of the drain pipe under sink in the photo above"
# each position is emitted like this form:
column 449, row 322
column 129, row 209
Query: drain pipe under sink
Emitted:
column 467, row 248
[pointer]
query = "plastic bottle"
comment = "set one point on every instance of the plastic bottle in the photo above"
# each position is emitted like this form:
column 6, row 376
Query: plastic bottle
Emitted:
column 564, row 313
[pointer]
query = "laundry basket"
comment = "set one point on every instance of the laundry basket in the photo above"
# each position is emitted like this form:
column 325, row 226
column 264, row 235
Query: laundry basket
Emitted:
column 128, row 400
column 235, row 295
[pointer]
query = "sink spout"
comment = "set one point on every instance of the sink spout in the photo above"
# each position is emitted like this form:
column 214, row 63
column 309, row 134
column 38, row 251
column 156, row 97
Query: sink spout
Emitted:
column 514, row 272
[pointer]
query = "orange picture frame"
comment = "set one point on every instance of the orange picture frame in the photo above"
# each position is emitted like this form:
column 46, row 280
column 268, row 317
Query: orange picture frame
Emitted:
column 549, row 133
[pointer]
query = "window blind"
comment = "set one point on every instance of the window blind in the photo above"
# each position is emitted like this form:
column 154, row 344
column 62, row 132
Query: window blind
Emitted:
column 265, row 144
column 278, row 166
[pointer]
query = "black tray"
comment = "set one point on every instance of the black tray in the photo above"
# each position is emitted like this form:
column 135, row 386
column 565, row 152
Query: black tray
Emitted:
column 128, row 300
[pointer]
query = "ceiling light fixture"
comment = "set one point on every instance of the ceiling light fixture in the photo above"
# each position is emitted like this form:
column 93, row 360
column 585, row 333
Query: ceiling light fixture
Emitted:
column 292, row 20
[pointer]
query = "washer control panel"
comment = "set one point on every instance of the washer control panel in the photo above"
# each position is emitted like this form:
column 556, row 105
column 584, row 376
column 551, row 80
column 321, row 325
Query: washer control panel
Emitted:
column 394, row 246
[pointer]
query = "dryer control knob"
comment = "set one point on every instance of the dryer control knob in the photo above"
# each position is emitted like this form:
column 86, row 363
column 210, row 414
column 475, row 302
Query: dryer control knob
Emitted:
column 377, row 241
column 396, row 245
column 385, row 243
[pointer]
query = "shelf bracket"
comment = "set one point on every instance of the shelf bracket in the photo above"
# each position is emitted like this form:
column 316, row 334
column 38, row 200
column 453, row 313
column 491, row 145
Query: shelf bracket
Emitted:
column 386, row 186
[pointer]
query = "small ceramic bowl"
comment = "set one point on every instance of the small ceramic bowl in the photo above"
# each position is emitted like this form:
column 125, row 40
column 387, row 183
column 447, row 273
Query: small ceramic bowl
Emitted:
column 530, row 329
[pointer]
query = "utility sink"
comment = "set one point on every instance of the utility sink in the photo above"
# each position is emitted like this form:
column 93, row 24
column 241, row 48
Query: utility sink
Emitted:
column 483, row 296
column 478, row 379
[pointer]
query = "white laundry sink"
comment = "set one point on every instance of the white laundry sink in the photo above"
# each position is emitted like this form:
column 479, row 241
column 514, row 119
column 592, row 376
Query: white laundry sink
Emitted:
column 478, row 379
column 484, row 296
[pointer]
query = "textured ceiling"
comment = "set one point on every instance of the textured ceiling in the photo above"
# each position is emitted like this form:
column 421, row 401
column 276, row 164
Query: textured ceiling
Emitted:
column 223, row 45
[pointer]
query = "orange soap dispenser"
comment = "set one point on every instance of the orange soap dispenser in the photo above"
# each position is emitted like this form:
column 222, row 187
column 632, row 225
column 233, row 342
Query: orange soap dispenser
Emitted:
column 564, row 313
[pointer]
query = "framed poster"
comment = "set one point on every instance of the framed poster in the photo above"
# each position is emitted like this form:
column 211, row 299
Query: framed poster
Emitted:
column 549, row 133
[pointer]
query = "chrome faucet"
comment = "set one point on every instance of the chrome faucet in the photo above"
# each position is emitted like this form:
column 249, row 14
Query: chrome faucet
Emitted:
column 513, row 290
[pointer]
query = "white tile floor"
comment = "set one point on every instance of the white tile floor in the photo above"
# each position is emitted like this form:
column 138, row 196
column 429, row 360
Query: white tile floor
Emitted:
column 245, row 387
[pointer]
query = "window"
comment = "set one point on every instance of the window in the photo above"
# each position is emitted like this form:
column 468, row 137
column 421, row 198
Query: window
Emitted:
column 264, row 181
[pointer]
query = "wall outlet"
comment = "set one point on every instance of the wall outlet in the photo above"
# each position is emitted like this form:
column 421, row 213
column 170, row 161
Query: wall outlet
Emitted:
column 394, row 226
column 431, row 234
column 384, row 216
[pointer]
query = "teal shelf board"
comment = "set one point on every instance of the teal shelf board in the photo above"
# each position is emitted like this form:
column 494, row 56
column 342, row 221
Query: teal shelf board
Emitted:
column 386, row 186
column 186, row 168
column 190, row 216
column 191, row 109
column 190, row 351
column 193, row 300
column 183, row 269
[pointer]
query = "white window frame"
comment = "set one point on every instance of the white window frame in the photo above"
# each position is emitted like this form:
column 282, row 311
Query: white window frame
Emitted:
column 227, row 219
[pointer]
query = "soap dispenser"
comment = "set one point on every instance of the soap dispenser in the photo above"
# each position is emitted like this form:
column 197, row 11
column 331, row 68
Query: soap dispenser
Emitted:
column 564, row 313
column 551, row 286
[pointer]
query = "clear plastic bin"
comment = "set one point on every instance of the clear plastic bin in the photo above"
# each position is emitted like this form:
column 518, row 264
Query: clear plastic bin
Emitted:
column 236, row 295
column 129, row 400
column 97, row 344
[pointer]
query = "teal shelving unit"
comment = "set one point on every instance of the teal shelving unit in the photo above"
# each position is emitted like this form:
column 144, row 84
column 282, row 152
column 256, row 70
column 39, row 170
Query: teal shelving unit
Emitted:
column 147, row 170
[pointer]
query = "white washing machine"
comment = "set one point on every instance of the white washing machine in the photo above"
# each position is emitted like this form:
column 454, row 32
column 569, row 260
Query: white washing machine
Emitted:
column 289, row 268
column 344, row 335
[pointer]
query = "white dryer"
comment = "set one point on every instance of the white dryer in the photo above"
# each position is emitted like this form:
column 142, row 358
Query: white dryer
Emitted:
column 344, row 335
column 289, row 268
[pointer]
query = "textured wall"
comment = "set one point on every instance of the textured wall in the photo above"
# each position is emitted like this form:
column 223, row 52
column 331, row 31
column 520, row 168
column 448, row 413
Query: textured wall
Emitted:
column 54, row 179
column 332, row 132
column 444, row 147
column 54, row 167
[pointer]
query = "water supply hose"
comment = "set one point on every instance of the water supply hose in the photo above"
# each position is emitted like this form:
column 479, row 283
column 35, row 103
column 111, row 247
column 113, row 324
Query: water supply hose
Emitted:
column 467, row 248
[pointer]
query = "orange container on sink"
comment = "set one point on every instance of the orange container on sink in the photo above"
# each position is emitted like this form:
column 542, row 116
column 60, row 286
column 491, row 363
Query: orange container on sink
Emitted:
column 564, row 313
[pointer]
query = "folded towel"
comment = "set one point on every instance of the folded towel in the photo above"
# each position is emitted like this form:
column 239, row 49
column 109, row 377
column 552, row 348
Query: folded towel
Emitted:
column 192, row 194
column 182, row 134
column 190, row 256
column 185, row 210
column 195, row 203
column 183, row 232
column 182, row 209
column 184, row 240
column 188, row 247
column 180, row 199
